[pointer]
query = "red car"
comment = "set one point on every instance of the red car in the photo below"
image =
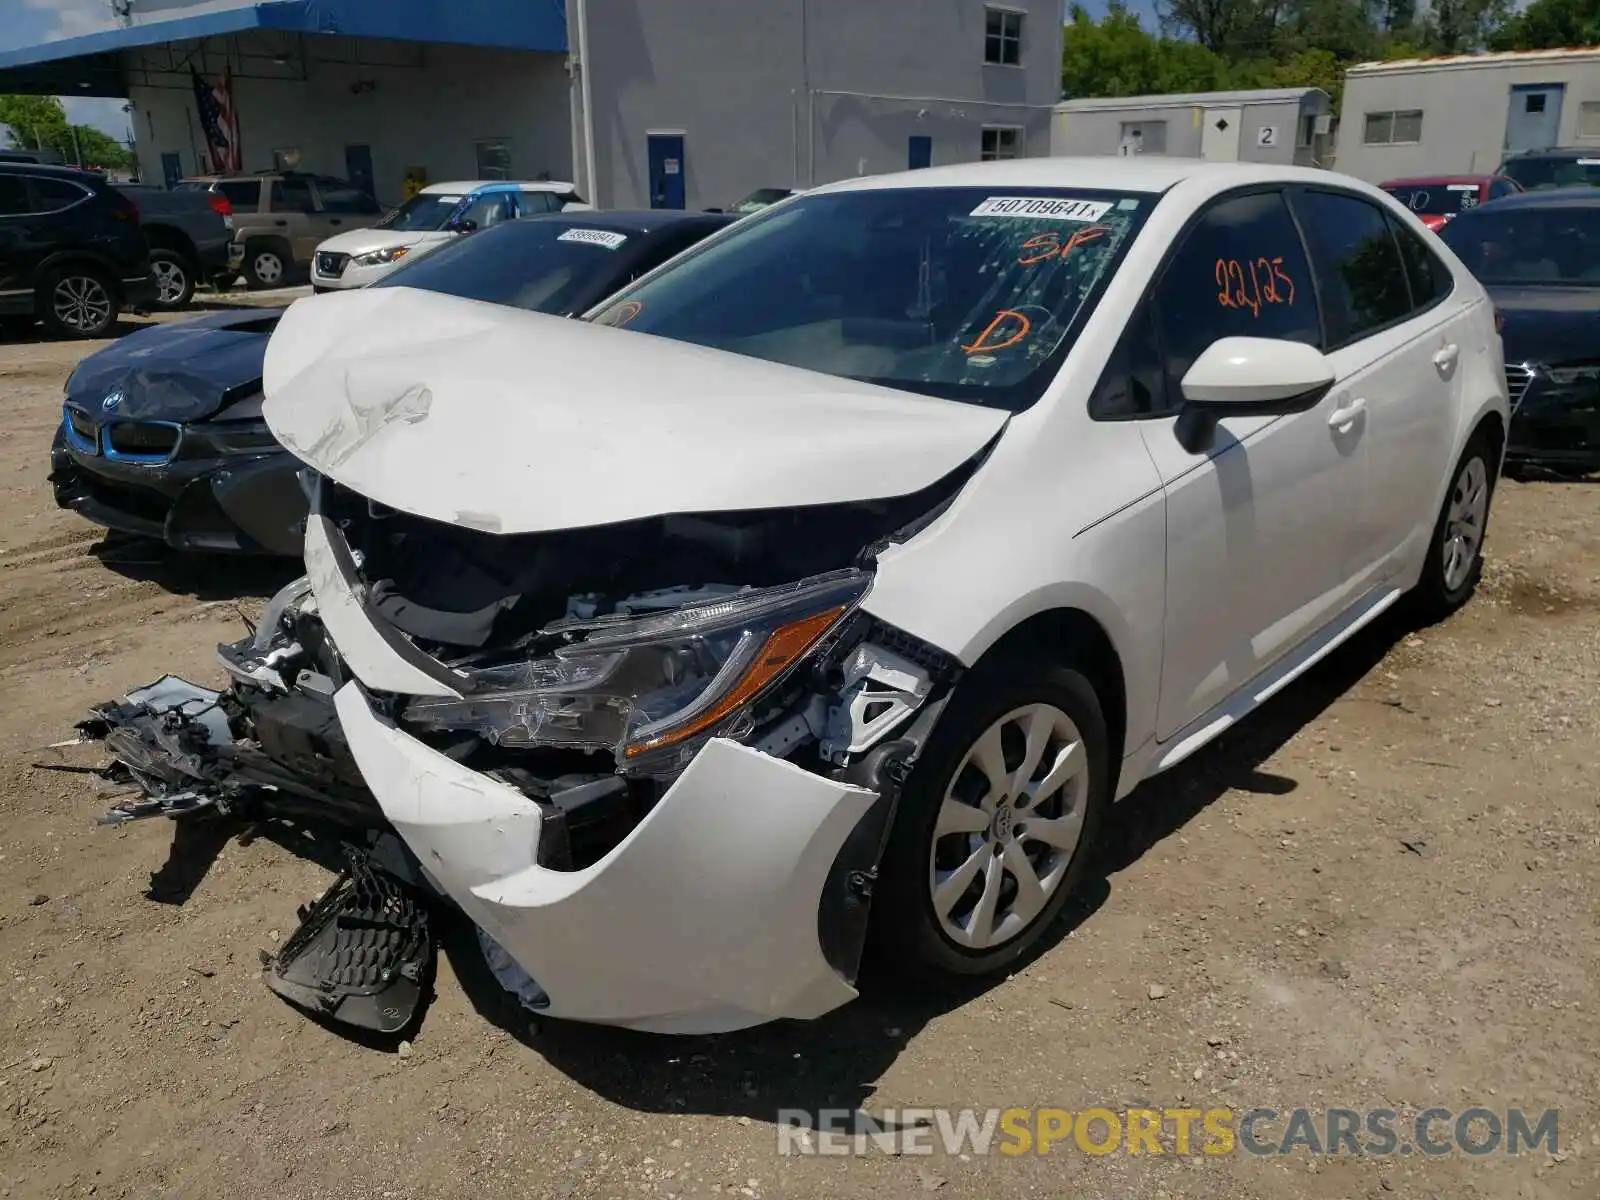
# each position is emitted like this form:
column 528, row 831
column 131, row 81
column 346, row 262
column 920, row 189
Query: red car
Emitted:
column 1437, row 198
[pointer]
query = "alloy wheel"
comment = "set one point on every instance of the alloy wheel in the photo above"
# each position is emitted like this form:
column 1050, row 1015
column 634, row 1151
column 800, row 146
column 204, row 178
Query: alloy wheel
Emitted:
column 81, row 303
column 1463, row 530
column 1011, row 818
column 170, row 281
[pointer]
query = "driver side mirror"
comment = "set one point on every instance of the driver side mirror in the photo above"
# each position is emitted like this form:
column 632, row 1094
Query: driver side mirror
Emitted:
column 466, row 225
column 1249, row 377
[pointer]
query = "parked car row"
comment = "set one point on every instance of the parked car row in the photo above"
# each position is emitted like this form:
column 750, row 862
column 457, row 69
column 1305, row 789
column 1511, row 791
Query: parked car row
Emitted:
column 817, row 589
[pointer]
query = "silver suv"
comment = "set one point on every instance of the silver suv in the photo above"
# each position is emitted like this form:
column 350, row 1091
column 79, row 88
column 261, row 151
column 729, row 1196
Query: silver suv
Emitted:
column 280, row 217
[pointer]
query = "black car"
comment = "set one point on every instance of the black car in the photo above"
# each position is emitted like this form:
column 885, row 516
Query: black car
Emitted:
column 1538, row 254
column 71, row 251
column 1556, row 167
column 162, row 433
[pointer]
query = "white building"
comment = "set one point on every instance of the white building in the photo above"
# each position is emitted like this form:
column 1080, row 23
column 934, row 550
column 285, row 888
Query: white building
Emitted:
column 1276, row 125
column 679, row 103
column 1464, row 115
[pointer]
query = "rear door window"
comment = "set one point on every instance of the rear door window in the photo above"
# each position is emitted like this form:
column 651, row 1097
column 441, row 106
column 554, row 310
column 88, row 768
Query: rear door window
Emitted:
column 244, row 195
column 343, row 198
column 53, row 195
column 13, row 196
column 1240, row 271
column 292, row 195
column 1363, row 278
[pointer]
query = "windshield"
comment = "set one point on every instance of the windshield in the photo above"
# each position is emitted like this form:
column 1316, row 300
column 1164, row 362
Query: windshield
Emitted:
column 1556, row 246
column 542, row 265
column 423, row 213
column 760, row 198
column 1538, row 174
column 1435, row 199
column 964, row 293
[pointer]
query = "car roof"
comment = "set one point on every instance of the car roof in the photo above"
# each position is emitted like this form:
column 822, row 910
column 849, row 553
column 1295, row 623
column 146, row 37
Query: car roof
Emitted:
column 50, row 169
column 464, row 186
column 1133, row 173
column 635, row 221
column 1580, row 195
column 1419, row 180
column 1557, row 152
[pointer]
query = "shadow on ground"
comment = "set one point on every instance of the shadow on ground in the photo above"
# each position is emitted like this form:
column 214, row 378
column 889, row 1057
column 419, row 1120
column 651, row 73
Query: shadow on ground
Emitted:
column 834, row 1062
column 202, row 576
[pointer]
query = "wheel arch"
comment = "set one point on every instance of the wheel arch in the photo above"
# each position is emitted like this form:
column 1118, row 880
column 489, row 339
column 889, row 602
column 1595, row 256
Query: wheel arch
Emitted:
column 82, row 259
column 170, row 237
column 1073, row 636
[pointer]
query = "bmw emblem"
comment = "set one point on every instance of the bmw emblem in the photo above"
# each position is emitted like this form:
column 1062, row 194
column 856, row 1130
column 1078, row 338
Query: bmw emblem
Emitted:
column 111, row 401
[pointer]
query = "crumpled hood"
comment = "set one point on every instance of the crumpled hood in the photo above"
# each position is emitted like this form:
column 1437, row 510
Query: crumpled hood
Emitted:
column 177, row 372
column 509, row 421
column 365, row 241
column 1548, row 324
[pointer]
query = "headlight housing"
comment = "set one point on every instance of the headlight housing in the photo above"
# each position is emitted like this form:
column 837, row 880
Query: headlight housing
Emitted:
column 1572, row 388
column 651, row 688
column 378, row 258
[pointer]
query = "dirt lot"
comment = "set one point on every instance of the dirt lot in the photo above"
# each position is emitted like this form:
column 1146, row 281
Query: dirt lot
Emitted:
column 1380, row 893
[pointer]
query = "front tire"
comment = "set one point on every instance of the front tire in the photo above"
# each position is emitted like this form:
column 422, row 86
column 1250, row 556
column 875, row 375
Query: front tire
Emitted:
column 1455, row 551
column 77, row 302
column 175, row 279
column 997, row 821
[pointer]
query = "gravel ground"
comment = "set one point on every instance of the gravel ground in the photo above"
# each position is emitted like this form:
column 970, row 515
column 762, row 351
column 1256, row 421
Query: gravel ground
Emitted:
column 1378, row 893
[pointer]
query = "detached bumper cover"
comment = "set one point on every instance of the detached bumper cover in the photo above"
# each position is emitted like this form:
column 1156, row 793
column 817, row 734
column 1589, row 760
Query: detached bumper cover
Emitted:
column 704, row 919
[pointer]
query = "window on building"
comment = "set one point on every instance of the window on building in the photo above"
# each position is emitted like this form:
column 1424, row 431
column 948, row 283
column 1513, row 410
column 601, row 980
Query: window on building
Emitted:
column 338, row 196
column 1002, row 37
column 1589, row 119
column 1000, row 142
column 1358, row 264
column 1144, row 137
column 1402, row 128
column 1534, row 102
column 493, row 157
column 1241, row 271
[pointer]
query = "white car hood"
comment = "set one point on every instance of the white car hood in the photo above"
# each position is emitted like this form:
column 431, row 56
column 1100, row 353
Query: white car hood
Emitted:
column 365, row 241
column 509, row 421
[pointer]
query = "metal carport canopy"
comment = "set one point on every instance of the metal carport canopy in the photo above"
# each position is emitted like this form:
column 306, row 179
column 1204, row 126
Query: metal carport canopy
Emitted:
column 91, row 65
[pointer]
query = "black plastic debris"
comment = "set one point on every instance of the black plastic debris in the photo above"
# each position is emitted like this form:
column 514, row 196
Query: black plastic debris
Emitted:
column 362, row 954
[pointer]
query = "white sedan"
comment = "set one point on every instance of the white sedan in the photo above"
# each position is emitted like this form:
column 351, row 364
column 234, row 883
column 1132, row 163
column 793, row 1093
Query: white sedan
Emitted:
column 853, row 563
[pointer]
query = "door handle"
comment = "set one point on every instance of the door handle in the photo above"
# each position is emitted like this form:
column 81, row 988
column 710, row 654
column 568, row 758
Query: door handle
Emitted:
column 280, row 222
column 1342, row 419
column 334, row 221
column 1445, row 360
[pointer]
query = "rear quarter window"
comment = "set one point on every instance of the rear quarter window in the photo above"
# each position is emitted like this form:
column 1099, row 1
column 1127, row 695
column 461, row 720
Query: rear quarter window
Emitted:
column 244, row 195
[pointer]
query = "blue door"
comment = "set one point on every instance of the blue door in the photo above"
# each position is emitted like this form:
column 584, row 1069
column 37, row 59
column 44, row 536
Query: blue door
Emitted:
column 1533, row 120
column 171, row 169
column 920, row 153
column 358, row 168
column 666, row 170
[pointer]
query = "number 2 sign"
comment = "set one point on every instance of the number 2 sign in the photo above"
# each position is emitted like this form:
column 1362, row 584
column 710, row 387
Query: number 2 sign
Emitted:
column 1267, row 135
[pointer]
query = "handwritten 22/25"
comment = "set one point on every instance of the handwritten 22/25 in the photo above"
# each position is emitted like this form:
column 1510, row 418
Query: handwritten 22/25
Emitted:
column 1253, row 284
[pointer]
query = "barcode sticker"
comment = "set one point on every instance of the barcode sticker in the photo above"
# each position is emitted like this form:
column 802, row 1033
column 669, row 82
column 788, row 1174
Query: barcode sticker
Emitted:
column 609, row 238
column 1049, row 208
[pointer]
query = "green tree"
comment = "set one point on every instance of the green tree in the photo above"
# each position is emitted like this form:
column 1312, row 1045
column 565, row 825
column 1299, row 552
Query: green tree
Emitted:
column 40, row 123
column 1117, row 56
column 1461, row 26
column 1550, row 25
column 36, row 122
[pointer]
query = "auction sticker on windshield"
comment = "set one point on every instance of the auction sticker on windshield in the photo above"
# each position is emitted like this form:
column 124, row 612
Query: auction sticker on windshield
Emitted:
column 608, row 238
column 1050, row 208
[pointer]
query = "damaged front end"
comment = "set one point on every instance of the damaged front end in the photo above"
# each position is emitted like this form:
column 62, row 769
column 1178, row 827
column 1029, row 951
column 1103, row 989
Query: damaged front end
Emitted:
column 655, row 762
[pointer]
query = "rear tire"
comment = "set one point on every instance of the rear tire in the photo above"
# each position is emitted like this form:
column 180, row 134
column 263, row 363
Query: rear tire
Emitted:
column 175, row 280
column 1455, row 551
column 996, row 823
column 266, row 265
column 77, row 301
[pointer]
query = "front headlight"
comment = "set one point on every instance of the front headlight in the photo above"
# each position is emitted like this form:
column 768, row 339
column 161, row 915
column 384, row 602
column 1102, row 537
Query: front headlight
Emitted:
column 654, row 685
column 378, row 258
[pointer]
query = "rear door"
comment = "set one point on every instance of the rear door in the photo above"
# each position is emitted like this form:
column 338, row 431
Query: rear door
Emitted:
column 295, row 216
column 1396, row 337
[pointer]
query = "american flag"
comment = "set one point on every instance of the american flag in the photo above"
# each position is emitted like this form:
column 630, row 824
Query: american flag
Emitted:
column 219, row 119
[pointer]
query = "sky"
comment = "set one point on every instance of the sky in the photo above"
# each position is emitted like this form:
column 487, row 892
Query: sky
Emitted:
column 29, row 22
